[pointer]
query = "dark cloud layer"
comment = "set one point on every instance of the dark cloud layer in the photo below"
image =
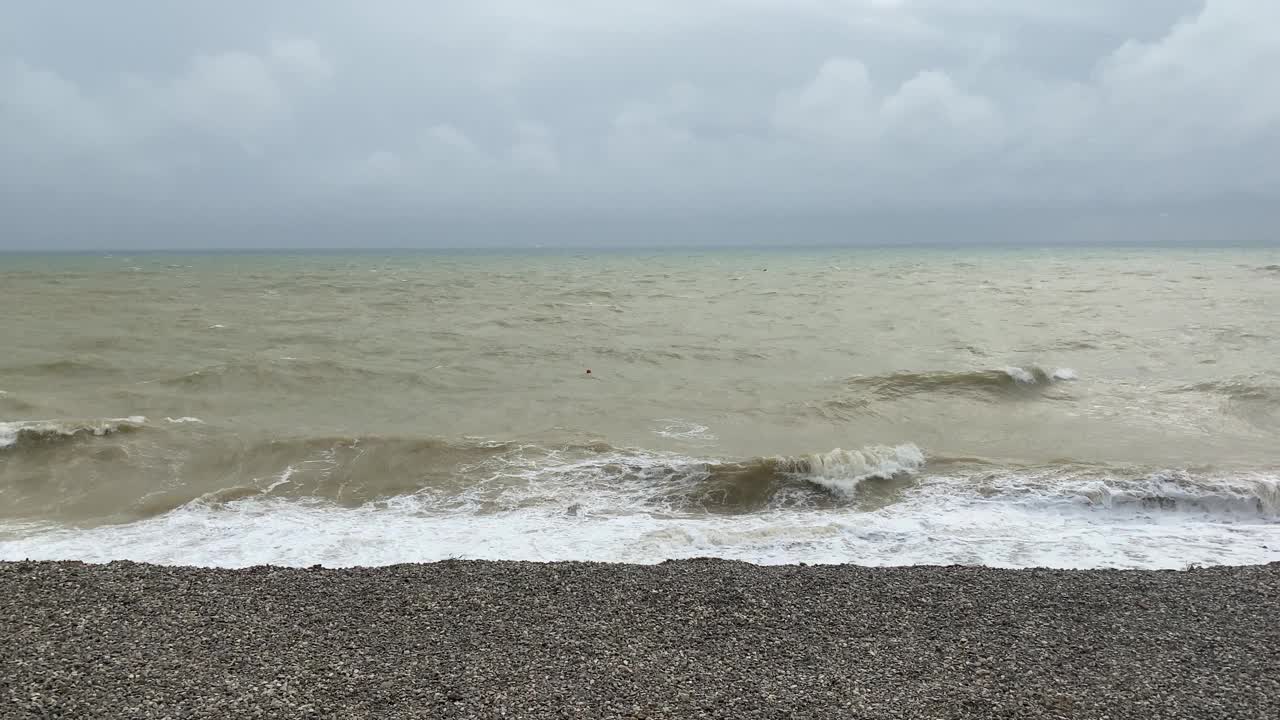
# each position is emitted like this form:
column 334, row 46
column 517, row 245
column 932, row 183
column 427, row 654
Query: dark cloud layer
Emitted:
column 138, row 123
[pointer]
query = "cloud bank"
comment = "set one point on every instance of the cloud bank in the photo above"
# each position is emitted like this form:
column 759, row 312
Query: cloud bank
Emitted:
column 135, row 117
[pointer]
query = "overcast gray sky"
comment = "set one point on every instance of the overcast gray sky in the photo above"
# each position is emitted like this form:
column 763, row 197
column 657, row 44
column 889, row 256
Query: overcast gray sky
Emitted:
column 145, row 124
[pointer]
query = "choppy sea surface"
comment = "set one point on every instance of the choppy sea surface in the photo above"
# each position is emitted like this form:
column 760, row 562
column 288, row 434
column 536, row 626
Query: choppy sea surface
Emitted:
column 1041, row 407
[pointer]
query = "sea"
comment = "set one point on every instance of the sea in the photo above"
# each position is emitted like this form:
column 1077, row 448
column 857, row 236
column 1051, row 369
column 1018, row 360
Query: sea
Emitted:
column 1060, row 407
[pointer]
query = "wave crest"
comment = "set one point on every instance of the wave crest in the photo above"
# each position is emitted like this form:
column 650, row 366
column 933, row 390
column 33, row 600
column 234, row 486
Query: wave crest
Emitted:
column 468, row 476
column 1231, row 494
column 1248, row 494
column 842, row 471
column 23, row 433
column 982, row 384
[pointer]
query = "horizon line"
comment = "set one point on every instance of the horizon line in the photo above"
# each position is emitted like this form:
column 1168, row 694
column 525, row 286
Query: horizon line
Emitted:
column 924, row 244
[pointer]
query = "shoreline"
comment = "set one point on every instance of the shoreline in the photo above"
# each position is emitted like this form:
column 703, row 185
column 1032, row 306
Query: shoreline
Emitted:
column 681, row 639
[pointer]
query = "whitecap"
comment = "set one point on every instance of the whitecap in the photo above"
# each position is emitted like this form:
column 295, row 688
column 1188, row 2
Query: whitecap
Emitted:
column 1021, row 375
column 844, row 470
column 11, row 432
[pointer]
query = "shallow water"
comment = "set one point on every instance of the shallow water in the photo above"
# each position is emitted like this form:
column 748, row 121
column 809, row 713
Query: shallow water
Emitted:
column 1073, row 408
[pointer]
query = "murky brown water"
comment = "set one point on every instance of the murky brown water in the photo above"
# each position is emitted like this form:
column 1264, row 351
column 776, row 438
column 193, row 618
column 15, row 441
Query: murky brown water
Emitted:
column 136, row 390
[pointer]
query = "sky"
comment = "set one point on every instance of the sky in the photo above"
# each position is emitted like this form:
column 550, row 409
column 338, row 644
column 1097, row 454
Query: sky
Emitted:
column 154, row 124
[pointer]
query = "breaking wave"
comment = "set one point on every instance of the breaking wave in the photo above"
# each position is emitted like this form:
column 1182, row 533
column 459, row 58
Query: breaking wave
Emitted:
column 380, row 499
column 842, row 471
column 114, row 483
column 120, row 481
column 1046, row 517
column 1251, row 494
column 491, row 476
column 24, row 433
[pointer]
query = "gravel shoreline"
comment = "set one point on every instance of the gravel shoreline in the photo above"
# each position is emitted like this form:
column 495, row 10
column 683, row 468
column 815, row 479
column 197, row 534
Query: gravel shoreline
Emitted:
column 684, row 639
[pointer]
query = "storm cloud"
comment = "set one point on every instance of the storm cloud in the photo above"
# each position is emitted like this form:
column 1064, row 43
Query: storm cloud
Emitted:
column 137, row 123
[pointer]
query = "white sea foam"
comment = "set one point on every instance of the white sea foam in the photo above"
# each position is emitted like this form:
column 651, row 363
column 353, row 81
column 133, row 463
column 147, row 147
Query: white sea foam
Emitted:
column 184, row 420
column 541, row 506
column 927, row 528
column 678, row 429
column 284, row 477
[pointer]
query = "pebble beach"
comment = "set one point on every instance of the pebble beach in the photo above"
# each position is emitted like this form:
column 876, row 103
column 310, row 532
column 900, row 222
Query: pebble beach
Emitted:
column 680, row 639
